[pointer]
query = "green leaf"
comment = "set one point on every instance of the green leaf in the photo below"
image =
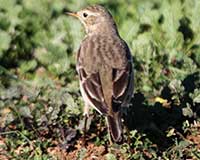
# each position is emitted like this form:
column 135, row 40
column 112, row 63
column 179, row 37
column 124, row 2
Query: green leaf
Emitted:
column 110, row 156
column 171, row 132
column 81, row 154
column 25, row 111
column 187, row 111
column 5, row 40
column 10, row 93
column 28, row 66
column 176, row 86
column 43, row 56
column 195, row 96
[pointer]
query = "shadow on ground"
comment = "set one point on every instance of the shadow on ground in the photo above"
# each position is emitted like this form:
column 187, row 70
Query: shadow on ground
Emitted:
column 155, row 120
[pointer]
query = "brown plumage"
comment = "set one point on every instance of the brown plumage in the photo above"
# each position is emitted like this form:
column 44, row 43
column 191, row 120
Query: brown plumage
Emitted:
column 104, row 65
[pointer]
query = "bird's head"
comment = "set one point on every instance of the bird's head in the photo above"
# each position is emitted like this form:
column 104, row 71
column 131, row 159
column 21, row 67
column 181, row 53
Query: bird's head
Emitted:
column 95, row 19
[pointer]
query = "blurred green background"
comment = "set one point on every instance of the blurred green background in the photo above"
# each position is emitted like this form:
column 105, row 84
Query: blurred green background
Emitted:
column 39, row 92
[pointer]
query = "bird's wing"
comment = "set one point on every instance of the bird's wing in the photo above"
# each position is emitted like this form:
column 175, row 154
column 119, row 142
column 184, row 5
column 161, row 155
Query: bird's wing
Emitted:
column 92, row 89
column 122, row 86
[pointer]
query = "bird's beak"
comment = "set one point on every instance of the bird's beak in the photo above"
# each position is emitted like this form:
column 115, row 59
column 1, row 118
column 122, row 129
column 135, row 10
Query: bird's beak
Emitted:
column 74, row 14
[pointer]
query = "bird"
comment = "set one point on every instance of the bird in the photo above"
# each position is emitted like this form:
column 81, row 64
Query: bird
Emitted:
column 105, row 68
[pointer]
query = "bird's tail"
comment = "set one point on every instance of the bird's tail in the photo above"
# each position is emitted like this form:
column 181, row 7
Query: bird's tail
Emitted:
column 115, row 126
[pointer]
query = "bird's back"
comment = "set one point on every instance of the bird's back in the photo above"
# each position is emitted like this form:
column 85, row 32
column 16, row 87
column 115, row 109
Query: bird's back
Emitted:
column 96, row 51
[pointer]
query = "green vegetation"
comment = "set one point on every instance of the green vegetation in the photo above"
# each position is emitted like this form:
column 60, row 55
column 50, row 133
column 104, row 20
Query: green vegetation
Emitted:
column 40, row 103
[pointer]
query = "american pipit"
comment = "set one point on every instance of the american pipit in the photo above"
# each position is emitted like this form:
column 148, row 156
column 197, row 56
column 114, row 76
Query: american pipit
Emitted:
column 104, row 66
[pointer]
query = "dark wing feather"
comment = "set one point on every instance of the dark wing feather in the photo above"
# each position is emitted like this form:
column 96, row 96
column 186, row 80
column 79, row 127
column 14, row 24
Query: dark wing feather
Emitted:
column 93, row 90
column 122, row 86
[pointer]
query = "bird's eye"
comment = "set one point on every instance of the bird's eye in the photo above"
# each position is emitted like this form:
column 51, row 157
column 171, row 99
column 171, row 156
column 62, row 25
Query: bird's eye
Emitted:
column 85, row 15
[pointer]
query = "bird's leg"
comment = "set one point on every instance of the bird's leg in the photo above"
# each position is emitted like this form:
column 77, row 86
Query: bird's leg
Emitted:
column 85, row 128
column 109, row 134
column 86, row 115
column 110, row 138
